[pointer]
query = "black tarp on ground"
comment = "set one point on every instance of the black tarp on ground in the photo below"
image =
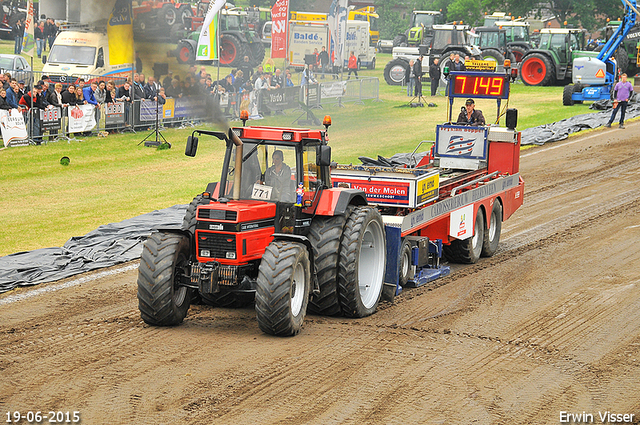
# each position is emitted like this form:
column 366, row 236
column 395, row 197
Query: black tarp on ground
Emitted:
column 562, row 129
column 106, row 246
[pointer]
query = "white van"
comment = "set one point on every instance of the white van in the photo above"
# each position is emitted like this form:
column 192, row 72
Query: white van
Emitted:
column 80, row 53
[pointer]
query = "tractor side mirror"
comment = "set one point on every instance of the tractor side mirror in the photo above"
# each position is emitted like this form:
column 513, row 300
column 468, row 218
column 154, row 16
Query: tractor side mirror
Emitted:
column 324, row 156
column 192, row 146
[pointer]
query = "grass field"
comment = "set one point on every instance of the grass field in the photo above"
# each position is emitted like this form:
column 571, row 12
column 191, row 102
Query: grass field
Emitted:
column 43, row 203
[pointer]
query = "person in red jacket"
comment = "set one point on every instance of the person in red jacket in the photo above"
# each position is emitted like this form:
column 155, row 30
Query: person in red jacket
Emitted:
column 353, row 65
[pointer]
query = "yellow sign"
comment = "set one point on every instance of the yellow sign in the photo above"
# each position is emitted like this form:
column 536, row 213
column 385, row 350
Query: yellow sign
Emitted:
column 485, row 66
column 428, row 188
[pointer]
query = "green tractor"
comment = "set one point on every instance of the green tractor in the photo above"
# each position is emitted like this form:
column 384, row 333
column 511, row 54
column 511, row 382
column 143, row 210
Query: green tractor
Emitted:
column 551, row 63
column 422, row 22
column 627, row 54
column 492, row 41
column 237, row 40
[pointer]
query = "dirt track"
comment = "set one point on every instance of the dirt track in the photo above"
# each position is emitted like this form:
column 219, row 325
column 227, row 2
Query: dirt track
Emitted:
column 549, row 324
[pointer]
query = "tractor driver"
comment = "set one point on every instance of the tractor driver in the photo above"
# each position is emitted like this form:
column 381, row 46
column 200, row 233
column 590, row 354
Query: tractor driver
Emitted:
column 469, row 115
column 278, row 176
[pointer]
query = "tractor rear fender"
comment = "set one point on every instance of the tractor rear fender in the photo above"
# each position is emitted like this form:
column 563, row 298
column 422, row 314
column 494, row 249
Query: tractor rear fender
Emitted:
column 335, row 201
column 553, row 57
column 522, row 44
column 238, row 34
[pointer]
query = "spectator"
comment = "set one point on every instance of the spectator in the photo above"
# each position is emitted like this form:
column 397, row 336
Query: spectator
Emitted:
column 4, row 81
column 124, row 94
column 33, row 103
column 13, row 95
column 239, row 80
column 174, row 90
column 167, row 80
column 434, row 75
column 151, row 88
column 138, row 89
column 80, row 85
column 324, row 61
column 54, row 99
column 288, row 81
column 4, row 105
column 307, row 77
column 189, row 88
column 101, row 93
column 352, row 65
column 21, row 89
column 417, row 71
column 18, row 35
column 261, row 83
column 621, row 92
column 457, row 64
column 50, row 31
column 411, row 82
column 69, row 96
column 277, row 81
column 316, row 64
column 110, row 96
column 246, row 68
column 39, row 35
column 90, row 98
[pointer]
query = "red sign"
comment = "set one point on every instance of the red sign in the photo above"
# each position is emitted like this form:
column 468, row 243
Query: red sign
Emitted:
column 279, row 29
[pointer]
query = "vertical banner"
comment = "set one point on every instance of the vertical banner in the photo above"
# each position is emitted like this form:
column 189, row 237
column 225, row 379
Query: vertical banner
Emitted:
column 120, row 33
column 208, row 40
column 14, row 130
column 279, row 29
column 29, row 41
column 337, row 20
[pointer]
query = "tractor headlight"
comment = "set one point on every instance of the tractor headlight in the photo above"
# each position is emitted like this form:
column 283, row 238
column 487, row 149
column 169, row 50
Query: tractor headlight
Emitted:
column 231, row 255
column 205, row 253
column 287, row 135
column 237, row 132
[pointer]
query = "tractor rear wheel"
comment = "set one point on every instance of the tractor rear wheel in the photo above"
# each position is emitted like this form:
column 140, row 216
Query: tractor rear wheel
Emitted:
column 167, row 16
column 282, row 294
column 257, row 52
column 162, row 301
column 325, row 235
column 537, row 70
column 185, row 12
column 622, row 59
column 518, row 52
column 399, row 40
column 232, row 51
column 396, row 71
column 468, row 250
column 362, row 262
column 492, row 234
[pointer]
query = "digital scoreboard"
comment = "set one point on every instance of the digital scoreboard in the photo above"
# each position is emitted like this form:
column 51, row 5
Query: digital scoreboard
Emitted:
column 482, row 85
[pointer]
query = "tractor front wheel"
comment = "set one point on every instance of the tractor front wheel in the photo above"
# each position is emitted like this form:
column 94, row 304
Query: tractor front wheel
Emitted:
column 282, row 293
column 164, row 264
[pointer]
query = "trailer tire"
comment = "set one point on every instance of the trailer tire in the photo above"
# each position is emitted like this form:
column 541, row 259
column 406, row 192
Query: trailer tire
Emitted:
column 362, row 262
column 395, row 72
column 491, row 238
column 283, row 287
column 405, row 263
column 160, row 300
column 468, row 251
column 325, row 236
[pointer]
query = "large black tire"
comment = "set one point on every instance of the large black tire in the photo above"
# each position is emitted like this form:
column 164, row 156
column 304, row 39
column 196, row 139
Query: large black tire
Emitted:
column 186, row 52
column 282, row 294
column 399, row 40
column 567, row 92
column 396, row 71
column 362, row 263
column 257, row 53
column 518, row 52
column 184, row 13
column 447, row 62
column 165, row 256
column 537, row 69
column 467, row 251
column 190, row 220
column 622, row 59
column 491, row 238
column 405, row 263
column 325, row 236
column 493, row 55
column 167, row 16
column 232, row 51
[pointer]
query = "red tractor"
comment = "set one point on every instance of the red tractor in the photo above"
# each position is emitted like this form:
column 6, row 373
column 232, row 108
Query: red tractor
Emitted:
column 281, row 232
column 150, row 15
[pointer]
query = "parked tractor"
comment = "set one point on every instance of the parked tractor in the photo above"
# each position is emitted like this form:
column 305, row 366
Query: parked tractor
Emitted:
column 236, row 39
column 441, row 43
column 551, row 63
column 627, row 53
column 422, row 22
column 492, row 41
column 518, row 39
column 151, row 16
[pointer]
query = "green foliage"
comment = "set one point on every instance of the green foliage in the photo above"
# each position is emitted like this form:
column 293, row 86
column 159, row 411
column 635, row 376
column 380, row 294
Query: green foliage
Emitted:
column 391, row 23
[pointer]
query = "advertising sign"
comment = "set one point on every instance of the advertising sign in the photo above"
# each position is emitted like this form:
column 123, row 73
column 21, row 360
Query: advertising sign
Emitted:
column 81, row 118
column 281, row 99
column 114, row 113
column 14, row 131
column 279, row 29
column 461, row 141
column 51, row 119
column 461, row 223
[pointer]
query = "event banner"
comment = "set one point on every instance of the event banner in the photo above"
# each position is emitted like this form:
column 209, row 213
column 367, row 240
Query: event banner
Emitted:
column 149, row 109
column 14, row 131
column 114, row 113
column 51, row 119
column 190, row 107
column 208, row 39
column 337, row 20
column 280, row 99
column 336, row 89
column 81, row 118
column 279, row 29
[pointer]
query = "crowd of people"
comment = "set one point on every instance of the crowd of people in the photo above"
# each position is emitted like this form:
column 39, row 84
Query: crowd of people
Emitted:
column 45, row 31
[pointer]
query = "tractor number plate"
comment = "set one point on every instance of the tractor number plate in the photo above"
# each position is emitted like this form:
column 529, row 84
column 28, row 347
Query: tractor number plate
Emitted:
column 261, row 191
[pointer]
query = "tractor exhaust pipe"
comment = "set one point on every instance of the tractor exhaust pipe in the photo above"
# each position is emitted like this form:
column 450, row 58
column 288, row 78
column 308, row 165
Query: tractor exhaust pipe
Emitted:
column 238, row 169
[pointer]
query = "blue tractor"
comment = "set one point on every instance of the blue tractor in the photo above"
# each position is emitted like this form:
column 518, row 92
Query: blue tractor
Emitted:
column 594, row 77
